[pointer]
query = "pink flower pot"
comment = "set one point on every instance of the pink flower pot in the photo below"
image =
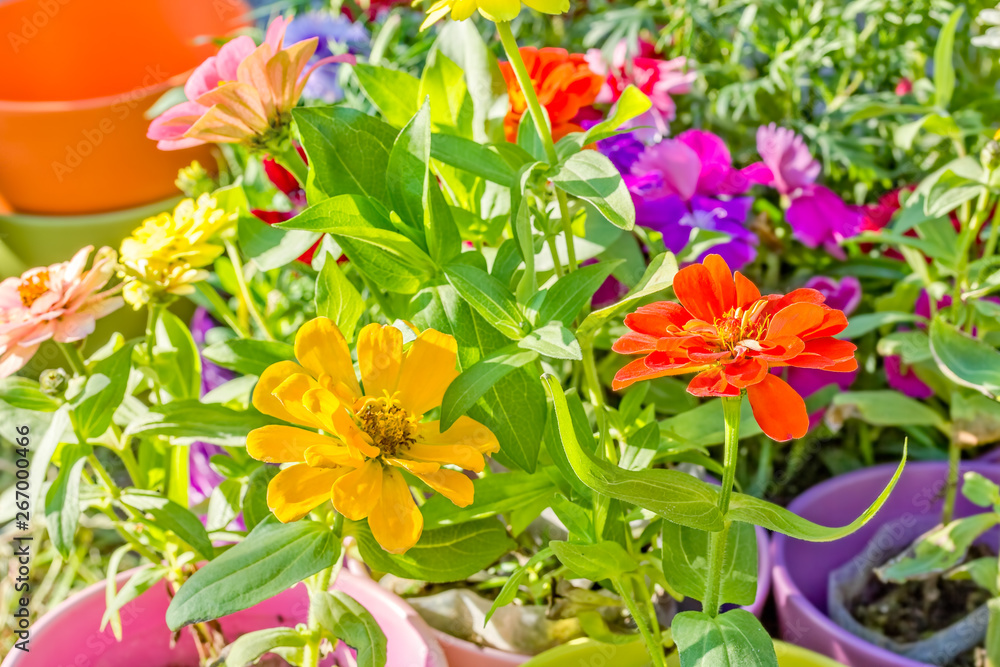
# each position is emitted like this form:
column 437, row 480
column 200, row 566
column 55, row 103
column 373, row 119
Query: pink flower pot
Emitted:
column 69, row 635
column 466, row 654
column 802, row 569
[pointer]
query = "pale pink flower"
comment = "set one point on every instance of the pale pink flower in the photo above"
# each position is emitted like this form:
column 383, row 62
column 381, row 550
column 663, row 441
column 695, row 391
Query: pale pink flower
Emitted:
column 244, row 94
column 61, row 302
column 787, row 165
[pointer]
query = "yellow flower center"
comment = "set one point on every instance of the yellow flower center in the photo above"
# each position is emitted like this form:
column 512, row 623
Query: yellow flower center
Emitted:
column 32, row 287
column 388, row 425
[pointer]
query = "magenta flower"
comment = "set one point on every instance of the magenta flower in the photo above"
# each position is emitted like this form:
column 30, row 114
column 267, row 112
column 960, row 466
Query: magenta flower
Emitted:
column 787, row 164
column 904, row 379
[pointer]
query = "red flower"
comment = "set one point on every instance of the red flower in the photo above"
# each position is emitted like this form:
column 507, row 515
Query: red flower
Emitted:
column 730, row 335
column 565, row 85
column 286, row 183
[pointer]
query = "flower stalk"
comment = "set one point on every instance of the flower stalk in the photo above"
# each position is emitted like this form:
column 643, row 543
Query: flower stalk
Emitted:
column 731, row 406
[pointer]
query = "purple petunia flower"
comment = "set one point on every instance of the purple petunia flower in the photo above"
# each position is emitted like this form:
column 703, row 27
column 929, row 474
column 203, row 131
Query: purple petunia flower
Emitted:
column 337, row 35
column 203, row 478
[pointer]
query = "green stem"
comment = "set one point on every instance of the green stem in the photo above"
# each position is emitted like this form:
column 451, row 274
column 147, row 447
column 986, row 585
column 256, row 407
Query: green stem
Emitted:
column 319, row 583
column 717, row 540
column 74, row 358
column 248, row 301
column 222, row 309
column 524, row 81
column 653, row 644
column 131, row 465
column 967, row 240
column 290, row 159
column 951, row 484
column 554, row 251
column 567, row 226
column 595, row 392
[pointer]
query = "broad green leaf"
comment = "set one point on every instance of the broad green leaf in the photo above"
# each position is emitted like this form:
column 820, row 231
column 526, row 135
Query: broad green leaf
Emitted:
column 193, row 420
column 572, row 292
column 255, row 507
column 704, row 425
column 604, row 560
column 270, row 247
column 980, row 491
column 392, row 91
column 249, row 647
column 859, row 325
column 272, row 558
column 92, row 411
column 145, row 577
column 464, row 45
column 444, row 554
column 983, row 571
column 659, row 276
column 476, row 380
column 247, row 356
column 443, row 82
column 43, row 452
column 911, row 346
column 880, row 109
column 488, row 296
column 444, row 241
column 993, row 631
column 348, row 150
column 641, row 447
column 674, row 495
column 24, row 393
column 407, row 175
column 498, row 493
column 338, row 299
column 685, row 562
column 937, row 550
column 552, row 340
column 62, row 502
column 968, row 361
column 175, row 358
column 975, row 419
column 632, row 104
column 944, row 70
column 528, row 139
column 472, row 157
column 591, row 176
column 885, row 407
column 343, row 618
column 733, row 639
column 513, row 583
column 168, row 515
column 773, row 517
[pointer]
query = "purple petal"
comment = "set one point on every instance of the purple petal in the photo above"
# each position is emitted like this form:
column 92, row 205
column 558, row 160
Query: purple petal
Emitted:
column 788, row 158
column 675, row 163
column 844, row 295
column 906, row 382
column 818, row 216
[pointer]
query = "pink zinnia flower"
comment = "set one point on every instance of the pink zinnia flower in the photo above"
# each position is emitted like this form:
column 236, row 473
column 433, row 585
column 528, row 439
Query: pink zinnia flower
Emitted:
column 59, row 302
column 241, row 95
column 658, row 79
column 787, row 165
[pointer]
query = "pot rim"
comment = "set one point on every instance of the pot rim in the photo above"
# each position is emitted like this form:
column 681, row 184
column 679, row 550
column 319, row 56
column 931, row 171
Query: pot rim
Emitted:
column 781, row 578
column 120, row 215
column 37, row 107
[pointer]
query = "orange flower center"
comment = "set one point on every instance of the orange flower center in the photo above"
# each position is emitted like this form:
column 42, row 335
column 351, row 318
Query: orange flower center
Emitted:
column 388, row 425
column 32, row 287
column 742, row 328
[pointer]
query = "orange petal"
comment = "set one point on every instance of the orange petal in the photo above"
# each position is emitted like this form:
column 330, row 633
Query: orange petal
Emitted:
column 252, row 71
column 380, row 354
column 322, row 349
column 746, row 372
column 824, row 352
column 637, row 370
column 711, row 382
column 284, row 444
column 655, row 319
column 778, row 409
column 698, row 292
column 834, row 321
column 465, row 431
column 795, row 319
column 746, row 292
column 356, row 493
column 634, row 343
column 451, row 484
column 217, row 125
column 263, row 398
column 284, row 69
column 298, row 490
column 426, row 371
column 396, row 522
column 239, row 101
column 723, row 277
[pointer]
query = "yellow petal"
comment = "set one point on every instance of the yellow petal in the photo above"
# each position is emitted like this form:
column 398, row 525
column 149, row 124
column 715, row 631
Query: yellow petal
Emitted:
column 465, row 431
column 335, row 418
column 252, row 71
column 284, row 444
column 548, row 6
column 413, row 466
column 237, row 100
column 500, row 10
column 296, row 491
column 462, row 456
column 356, row 493
column 396, row 521
column 380, row 353
column 332, row 456
column 284, row 69
column 321, row 348
column 263, row 398
column 291, row 392
column 437, row 12
column 427, row 370
column 219, row 126
column 462, row 9
column 451, row 484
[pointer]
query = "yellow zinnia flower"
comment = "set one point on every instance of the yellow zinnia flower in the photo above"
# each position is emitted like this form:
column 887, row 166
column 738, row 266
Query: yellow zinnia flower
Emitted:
column 495, row 10
column 168, row 253
column 358, row 440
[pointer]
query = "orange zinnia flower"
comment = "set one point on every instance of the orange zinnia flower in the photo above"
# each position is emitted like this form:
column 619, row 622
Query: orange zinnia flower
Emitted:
column 730, row 335
column 564, row 82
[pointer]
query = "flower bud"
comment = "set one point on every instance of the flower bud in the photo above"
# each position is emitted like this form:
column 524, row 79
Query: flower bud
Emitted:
column 989, row 157
column 194, row 181
column 54, row 381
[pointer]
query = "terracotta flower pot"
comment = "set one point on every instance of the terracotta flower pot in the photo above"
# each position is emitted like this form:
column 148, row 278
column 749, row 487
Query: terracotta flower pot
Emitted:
column 79, row 75
column 802, row 569
column 69, row 635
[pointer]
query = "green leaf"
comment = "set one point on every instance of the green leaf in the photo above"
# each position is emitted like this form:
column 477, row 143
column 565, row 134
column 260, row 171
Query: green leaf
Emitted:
column 488, row 296
column 472, row 157
column 175, row 357
column 553, row 340
column 572, row 292
column 247, row 356
column 168, row 515
column 944, row 70
column 641, row 447
column 21, row 392
column 444, row 241
column 967, row 361
column 145, row 577
column 885, row 407
column 704, row 425
column 342, row 617
column 659, row 276
column 673, row 495
column 975, row 419
column 272, row 558
column 476, row 380
column 993, row 631
column 513, row 583
column 407, row 175
column 192, row 420
column 62, row 502
column 880, row 109
column 980, row 491
column 498, row 493
column 859, row 325
column 270, row 247
column 392, row 91
column 733, row 639
column 249, row 647
column 443, row 82
column 444, row 554
column 983, row 571
column 348, row 150
column 43, row 452
column 338, row 299
column 685, row 562
column 604, row 560
column 773, row 517
column 937, row 550
column 632, row 104
column 93, row 410
column 593, row 178
column 911, row 346
column 255, row 507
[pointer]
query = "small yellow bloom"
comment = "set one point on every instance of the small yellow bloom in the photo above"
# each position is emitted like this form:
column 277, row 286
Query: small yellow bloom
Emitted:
column 357, row 441
column 495, row 10
column 168, row 253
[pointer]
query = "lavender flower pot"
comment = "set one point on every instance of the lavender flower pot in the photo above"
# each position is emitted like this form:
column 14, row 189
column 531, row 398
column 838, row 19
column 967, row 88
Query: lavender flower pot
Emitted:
column 69, row 635
column 802, row 569
column 462, row 653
